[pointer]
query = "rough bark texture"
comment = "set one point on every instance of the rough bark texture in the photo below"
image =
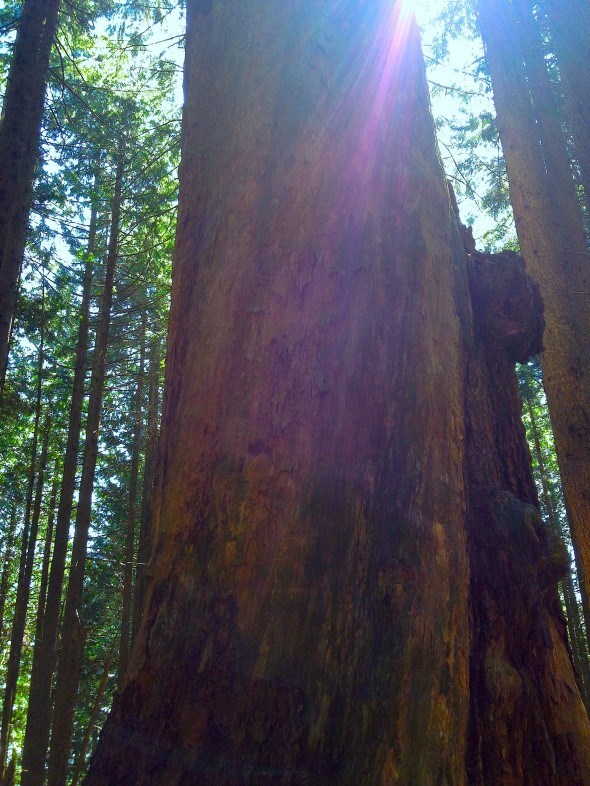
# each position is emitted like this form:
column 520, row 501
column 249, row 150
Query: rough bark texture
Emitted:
column 19, row 140
column 308, row 618
column 566, row 356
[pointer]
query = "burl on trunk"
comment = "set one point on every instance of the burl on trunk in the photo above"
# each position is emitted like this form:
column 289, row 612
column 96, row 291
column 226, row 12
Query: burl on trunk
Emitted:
column 345, row 587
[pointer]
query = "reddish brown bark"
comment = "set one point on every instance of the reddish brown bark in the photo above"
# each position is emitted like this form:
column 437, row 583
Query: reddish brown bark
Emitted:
column 330, row 415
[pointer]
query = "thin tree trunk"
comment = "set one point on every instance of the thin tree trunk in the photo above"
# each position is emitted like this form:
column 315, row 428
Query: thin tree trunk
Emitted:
column 566, row 355
column 22, row 598
column 20, row 128
column 27, row 548
column 145, row 516
column 130, row 528
column 7, row 566
column 47, row 554
column 572, row 612
column 44, row 654
column 71, row 650
column 81, row 760
column 569, row 26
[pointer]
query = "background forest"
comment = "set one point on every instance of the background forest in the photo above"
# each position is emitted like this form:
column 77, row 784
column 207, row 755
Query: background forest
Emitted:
column 80, row 400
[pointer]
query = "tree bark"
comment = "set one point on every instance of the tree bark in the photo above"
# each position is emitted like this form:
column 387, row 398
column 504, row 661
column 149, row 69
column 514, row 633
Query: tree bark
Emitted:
column 569, row 26
column 145, row 516
column 20, row 129
column 309, row 617
column 29, row 536
column 22, row 597
column 44, row 655
column 130, row 524
column 72, row 633
column 566, row 207
column 7, row 566
column 579, row 648
column 81, row 759
column 566, row 356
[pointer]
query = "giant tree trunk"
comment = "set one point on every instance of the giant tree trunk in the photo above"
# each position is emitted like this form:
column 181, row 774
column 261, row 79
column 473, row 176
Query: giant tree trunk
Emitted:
column 308, row 617
column 566, row 356
column 44, row 654
column 20, row 128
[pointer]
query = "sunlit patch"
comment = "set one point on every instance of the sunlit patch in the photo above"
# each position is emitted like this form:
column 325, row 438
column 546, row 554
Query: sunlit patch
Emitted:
column 407, row 8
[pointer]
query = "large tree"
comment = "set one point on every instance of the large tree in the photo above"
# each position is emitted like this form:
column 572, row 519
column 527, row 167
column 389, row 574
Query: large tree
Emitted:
column 350, row 582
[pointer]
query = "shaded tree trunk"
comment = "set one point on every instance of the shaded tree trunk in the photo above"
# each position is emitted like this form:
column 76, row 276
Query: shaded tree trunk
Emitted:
column 130, row 525
column 566, row 356
column 569, row 26
column 567, row 213
column 7, row 565
column 47, row 548
column 20, row 128
column 22, row 596
column 316, row 611
column 72, row 632
column 81, row 759
column 579, row 647
column 145, row 516
column 25, row 569
column 44, row 655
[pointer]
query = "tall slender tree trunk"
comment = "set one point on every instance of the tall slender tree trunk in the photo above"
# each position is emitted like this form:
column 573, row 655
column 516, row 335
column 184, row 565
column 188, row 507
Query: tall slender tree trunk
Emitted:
column 569, row 25
column 566, row 356
column 47, row 549
column 320, row 595
column 72, row 634
column 25, row 566
column 145, row 516
column 20, row 128
column 81, row 759
column 567, row 213
column 8, row 557
column 130, row 525
column 44, row 655
column 22, row 598
column 579, row 647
